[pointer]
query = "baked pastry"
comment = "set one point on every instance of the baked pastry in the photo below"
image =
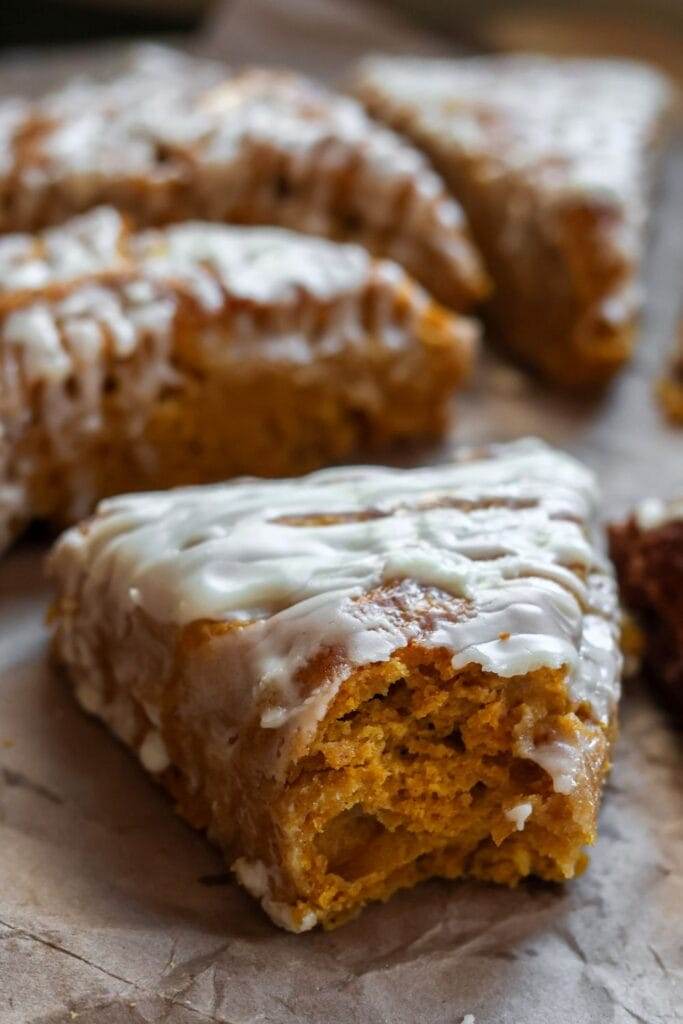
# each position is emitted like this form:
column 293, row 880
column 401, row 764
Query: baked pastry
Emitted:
column 648, row 553
column 671, row 387
column 361, row 678
column 200, row 351
column 173, row 139
column 550, row 159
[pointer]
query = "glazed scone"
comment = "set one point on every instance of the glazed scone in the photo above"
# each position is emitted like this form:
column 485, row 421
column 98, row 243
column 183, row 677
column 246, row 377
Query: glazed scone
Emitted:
column 648, row 554
column 671, row 387
column 201, row 351
column 361, row 678
column 173, row 139
column 551, row 160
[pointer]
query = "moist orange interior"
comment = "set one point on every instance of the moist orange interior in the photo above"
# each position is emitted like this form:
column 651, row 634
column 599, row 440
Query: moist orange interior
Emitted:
column 412, row 773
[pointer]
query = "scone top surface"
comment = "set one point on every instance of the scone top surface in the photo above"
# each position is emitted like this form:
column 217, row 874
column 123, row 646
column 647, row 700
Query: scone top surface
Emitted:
column 165, row 99
column 73, row 285
column 574, row 126
column 257, row 263
column 491, row 557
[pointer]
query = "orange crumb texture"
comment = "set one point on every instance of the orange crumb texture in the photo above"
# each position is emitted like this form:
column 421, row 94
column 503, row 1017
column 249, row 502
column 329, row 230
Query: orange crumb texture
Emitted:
column 415, row 772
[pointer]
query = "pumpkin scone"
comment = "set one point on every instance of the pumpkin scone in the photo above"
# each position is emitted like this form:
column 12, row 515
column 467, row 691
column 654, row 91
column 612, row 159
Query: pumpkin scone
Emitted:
column 172, row 138
column 362, row 678
column 201, row 351
column 647, row 551
column 551, row 159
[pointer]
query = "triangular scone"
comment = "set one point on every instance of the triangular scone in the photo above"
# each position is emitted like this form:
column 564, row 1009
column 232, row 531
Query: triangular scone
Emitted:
column 201, row 351
column 361, row 678
column 550, row 159
column 173, row 139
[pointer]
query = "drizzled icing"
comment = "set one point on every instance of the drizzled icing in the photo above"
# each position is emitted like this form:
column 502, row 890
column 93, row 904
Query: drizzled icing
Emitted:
column 120, row 287
column 552, row 153
column 507, row 537
column 173, row 138
column 259, row 265
column 581, row 126
column 90, row 305
column 84, row 246
column 195, row 107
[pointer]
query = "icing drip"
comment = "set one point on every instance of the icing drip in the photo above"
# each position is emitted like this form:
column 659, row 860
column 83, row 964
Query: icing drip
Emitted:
column 253, row 875
column 519, row 814
column 652, row 513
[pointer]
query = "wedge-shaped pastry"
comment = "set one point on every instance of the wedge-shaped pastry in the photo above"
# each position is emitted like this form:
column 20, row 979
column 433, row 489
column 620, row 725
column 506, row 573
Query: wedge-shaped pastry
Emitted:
column 174, row 139
column 200, row 351
column 362, row 678
column 671, row 387
column 648, row 553
column 549, row 158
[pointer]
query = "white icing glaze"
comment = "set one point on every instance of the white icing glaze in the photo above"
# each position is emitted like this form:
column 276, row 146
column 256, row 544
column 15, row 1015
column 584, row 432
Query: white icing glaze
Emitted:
column 562, row 759
column 652, row 513
column 85, row 245
column 115, row 126
column 542, row 135
column 572, row 125
column 518, row 815
column 271, row 146
column 115, row 312
column 519, row 556
column 253, row 875
column 261, row 265
column 153, row 752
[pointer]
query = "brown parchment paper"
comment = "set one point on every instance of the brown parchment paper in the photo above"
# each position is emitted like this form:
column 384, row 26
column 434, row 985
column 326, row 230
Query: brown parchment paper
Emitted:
column 112, row 911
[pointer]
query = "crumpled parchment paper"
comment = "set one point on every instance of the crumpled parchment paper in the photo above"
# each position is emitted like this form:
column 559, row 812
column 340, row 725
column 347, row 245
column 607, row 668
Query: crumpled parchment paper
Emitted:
column 112, row 911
